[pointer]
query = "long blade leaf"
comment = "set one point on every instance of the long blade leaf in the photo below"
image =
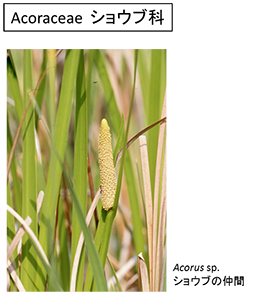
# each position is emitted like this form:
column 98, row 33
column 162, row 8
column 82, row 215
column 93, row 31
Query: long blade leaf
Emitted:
column 55, row 170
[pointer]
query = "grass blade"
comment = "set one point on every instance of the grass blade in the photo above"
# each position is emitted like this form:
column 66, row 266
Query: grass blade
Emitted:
column 156, row 94
column 55, row 170
column 161, row 137
column 122, row 271
column 14, row 86
column 76, row 260
column 144, row 73
column 50, row 97
column 29, row 178
column 163, row 270
column 138, row 237
column 160, row 261
column 64, row 263
column 143, row 274
column 113, row 111
column 8, row 221
column 17, row 191
column 42, row 86
column 115, row 276
column 148, row 203
column 80, row 163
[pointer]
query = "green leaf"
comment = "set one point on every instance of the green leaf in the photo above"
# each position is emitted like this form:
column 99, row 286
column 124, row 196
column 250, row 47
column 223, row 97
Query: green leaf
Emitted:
column 80, row 164
column 50, row 97
column 144, row 73
column 60, row 139
column 120, row 140
column 115, row 276
column 113, row 111
column 64, row 263
column 156, row 95
column 29, row 178
column 42, row 87
column 14, row 86
column 8, row 221
column 134, row 204
column 17, row 191
column 92, row 252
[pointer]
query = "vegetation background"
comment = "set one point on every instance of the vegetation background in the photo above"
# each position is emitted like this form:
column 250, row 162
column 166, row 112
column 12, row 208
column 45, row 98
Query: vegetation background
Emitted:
column 56, row 101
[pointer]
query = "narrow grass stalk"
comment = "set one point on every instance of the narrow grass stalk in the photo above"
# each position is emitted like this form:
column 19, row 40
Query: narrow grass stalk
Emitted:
column 161, row 137
column 75, row 263
column 17, row 237
column 39, row 201
column 41, row 87
column 29, row 178
column 160, row 246
column 41, row 183
column 148, row 203
column 63, row 260
column 156, row 94
column 8, row 221
column 161, row 230
column 15, row 277
column 50, row 97
column 80, row 163
column 122, row 271
column 113, row 110
column 14, row 86
column 88, row 80
column 143, row 274
column 115, row 279
column 17, row 189
column 138, row 238
column 144, row 74
column 163, row 269
column 55, row 170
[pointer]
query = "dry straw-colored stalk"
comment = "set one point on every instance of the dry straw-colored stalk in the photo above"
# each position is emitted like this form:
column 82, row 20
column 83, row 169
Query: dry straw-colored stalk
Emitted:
column 106, row 166
column 30, row 232
column 17, row 237
column 156, row 238
column 39, row 201
column 148, row 202
column 143, row 274
column 122, row 271
column 15, row 277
